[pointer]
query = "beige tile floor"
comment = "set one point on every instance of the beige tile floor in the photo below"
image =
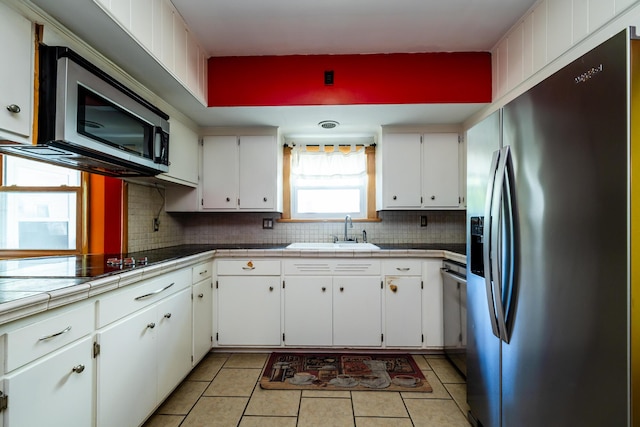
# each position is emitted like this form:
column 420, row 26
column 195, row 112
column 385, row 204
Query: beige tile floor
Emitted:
column 223, row 390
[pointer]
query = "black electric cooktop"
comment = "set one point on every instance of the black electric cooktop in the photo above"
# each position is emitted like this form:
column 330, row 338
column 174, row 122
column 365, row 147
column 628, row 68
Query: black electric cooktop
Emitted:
column 87, row 266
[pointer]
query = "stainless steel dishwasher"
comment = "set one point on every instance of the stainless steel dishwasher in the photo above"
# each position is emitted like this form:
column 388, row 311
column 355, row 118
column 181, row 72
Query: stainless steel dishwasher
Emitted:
column 454, row 307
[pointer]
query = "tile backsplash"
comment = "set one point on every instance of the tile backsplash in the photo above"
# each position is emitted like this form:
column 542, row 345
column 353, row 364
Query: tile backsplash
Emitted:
column 228, row 228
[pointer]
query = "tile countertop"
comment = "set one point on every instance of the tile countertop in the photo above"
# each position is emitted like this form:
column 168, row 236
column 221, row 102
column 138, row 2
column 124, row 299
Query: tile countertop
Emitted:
column 32, row 285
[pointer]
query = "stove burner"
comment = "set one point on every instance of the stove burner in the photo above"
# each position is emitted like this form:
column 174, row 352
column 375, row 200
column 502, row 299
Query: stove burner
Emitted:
column 127, row 262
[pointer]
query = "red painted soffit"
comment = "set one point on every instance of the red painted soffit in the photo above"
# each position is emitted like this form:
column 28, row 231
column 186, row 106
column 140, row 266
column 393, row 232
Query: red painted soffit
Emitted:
column 398, row 78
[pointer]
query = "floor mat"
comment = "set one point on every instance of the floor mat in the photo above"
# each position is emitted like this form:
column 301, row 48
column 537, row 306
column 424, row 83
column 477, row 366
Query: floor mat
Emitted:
column 343, row 371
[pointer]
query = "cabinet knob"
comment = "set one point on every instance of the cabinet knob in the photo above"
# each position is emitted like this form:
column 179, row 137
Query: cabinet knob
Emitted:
column 200, row 295
column 324, row 289
column 151, row 325
column 228, row 199
column 395, row 197
column 78, row 369
column 341, row 289
column 270, row 288
column 393, row 288
column 13, row 108
column 167, row 315
column 433, row 197
column 264, row 199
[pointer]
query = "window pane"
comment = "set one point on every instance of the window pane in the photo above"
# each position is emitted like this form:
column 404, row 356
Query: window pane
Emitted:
column 29, row 173
column 326, row 201
column 38, row 220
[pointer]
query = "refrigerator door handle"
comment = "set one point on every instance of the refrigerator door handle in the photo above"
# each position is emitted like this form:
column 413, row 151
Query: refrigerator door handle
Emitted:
column 487, row 248
column 503, row 208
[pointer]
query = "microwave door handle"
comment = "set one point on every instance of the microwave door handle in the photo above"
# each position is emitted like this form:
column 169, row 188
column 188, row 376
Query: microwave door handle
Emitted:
column 486, row 237
column 159, row 147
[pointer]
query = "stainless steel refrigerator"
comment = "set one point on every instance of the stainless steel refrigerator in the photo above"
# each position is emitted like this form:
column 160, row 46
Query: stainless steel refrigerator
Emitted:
column 552, row 267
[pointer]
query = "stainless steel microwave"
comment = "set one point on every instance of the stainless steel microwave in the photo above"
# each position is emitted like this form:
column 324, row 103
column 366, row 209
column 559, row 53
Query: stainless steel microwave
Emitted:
column 88, row 120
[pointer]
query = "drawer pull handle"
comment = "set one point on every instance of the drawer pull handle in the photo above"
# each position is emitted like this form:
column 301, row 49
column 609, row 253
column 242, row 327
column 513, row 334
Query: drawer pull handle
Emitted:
column 204, row 272
column 167, row 316
column 150, row 294
column 78, row 369
column 393, row 288
column 13, row 108
column 248, row 268
column 403, row 268
column 151, row 325
column 200, row 295
column 48, row 337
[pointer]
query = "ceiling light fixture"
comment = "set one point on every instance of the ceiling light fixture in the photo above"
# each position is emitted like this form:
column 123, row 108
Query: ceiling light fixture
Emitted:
column 328, row 124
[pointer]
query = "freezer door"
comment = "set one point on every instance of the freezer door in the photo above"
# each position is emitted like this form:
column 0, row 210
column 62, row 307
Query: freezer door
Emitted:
column 483, row 347
column 567, row 361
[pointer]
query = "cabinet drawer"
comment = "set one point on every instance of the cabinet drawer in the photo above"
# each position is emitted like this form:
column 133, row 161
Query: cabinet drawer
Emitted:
column 332, row 266
column 201, row 271
column 402, row 267
column 248, row 268
column 133, row 298
column 36, row 340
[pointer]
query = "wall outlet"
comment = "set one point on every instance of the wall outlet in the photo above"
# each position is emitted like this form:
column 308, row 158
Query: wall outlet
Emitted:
column 267, row 223
column 423, row 220
column 156, row 224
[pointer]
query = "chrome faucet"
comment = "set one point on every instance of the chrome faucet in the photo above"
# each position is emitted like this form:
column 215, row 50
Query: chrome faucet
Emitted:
column 347, row 219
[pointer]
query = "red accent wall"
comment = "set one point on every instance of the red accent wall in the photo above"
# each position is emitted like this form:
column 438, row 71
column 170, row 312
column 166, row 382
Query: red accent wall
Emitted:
column 105, row 214
column 398, row 78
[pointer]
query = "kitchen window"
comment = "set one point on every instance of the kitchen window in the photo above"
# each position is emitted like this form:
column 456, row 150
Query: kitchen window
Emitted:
column 329, row 182
column 40, row 208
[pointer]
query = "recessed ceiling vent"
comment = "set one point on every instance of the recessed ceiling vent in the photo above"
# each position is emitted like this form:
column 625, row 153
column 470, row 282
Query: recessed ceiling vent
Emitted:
column 328, row 124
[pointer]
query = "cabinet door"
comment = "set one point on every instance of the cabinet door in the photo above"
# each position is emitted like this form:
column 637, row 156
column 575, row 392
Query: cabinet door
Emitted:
column 174, row 345
column 202, row 319
column 183, row 155
column 403, row 311
column 127, row 370
column 248, row 310
column 401, row 171
column 258, row 172
column 432, row 304
column 56, row 390
column 16, row 76
column 220, row 172
column 357, row 311
column 307, row 311
column 440, row 170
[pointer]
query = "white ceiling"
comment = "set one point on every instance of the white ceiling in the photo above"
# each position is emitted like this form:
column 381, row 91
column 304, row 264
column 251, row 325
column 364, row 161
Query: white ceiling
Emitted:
column 289, row 27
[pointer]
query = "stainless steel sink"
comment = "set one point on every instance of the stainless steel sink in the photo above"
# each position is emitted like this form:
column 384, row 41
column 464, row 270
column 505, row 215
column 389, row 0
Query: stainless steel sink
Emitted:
column 320, row 246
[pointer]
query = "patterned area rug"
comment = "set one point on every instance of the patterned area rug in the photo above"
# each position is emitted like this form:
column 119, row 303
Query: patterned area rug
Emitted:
column 343, row 371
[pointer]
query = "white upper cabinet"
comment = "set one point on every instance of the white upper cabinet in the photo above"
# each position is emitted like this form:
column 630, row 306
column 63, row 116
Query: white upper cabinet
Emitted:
column 419, row 171
column 440, row 170
column 183, row 155
column 241, row 173
column 16, row 76
column 159, row 28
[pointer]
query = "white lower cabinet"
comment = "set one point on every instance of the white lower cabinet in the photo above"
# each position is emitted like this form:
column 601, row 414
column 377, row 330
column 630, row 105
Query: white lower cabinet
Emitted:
column 403, row 311
column 142, row 358
column 127, row 369
column 332, row 302
column 357, row 312
column 202, row 294
column 403, row 302
column 56, row 390
column 308, row 318
column 432, row 303
column 248, row 310
column 248, row 302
